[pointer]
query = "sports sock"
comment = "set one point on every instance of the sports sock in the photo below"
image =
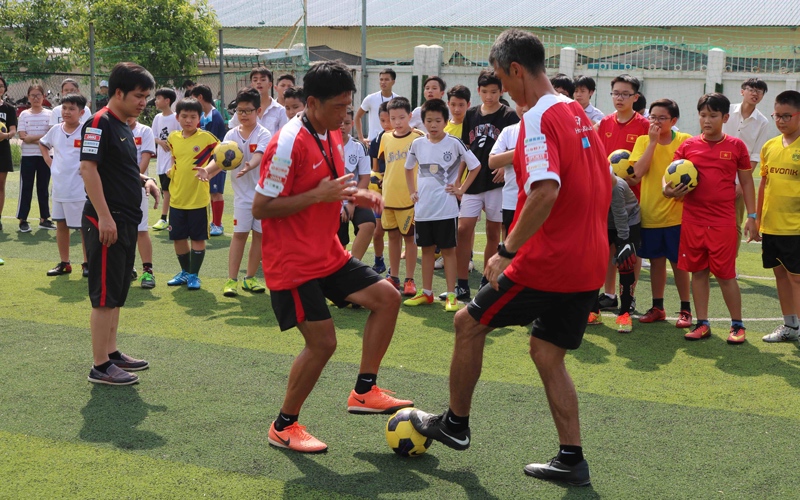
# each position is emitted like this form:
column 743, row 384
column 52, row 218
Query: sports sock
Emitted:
column 217, row 207
column 196, row 261
column 454, row 422
column 463, row 283
column 164, row 217
column 365, row 381
column 703, row 322
column 791, row 321
column 409, row 279
column 379, row 258
column 570, row 455
column 284, row 420
column 104, row 367
column 484, row 281
column 115, row 355
column 611, row 296
column 396, row 279
column 686, row 306
column 737, row 323
column 147, row 267
column 659, row 303
column 427, row 292
column 183, row 260
column 626, row 280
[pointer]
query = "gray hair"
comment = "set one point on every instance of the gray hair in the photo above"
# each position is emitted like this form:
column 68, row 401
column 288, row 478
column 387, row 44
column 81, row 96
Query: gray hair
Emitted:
column 522, row 47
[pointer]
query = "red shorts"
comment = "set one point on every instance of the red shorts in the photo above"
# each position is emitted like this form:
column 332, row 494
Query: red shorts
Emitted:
column 713, row 248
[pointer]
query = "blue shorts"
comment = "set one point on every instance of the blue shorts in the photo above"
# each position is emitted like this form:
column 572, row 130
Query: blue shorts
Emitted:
column 216, row 184
column 660, row 242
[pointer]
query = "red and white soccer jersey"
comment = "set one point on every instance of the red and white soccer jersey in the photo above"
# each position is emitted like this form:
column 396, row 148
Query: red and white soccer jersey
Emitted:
column 712, row 202
column 615, row 135
column 304, row 245
column 569, row 252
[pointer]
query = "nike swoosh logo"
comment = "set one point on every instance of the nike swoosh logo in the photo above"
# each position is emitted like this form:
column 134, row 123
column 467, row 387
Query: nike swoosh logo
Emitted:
column 284, row 441
column 284, row 418
column 451, row 420
column 362, row 401
column 462, row 442
column 626, row 247
column 317, row 164
column 367, row 379
column 122, row 139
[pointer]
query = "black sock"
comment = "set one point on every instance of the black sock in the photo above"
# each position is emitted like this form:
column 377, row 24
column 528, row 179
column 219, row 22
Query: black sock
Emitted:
column 104, row 367
column 659, row 303
column 183, row 260
column 196, row 261
column 454, row 422
column 570, row 455
column 395, row 279
column 686, row 306
column 283, row 421
column 463, row 283
column 115, row 355
column 147, row 267
column 626, row 280
column 365, row 381
column 164, row 217
column 409, row 279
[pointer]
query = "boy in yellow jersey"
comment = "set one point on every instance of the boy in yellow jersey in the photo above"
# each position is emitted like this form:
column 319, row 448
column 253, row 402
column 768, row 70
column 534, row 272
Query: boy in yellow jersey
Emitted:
column 661, row 217
column 398, row 215
column 189, row 196
column 778, row 217
column 458, row 103
column 376, row 184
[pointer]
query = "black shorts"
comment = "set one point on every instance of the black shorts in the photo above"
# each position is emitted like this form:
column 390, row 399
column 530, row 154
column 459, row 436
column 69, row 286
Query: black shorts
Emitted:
column 635, row 233
column 164, row 180
column 191, row 224
column 307, row 301
column 781, row 251
column 558, row 318
column 508, row 218
column 440, row 233
column 109, row 267
column 361, row 215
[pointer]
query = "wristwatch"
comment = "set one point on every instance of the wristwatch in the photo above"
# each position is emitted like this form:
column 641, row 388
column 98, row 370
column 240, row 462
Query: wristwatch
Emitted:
column 502, row 252
column 751, row 216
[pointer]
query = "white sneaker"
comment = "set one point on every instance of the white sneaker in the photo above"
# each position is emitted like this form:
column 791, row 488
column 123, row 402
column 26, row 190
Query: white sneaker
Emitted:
column 645, row 264
column 782, row 334
column 439, row 264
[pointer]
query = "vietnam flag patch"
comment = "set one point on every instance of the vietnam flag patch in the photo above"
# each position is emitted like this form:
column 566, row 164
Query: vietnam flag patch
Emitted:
column 77, row 143
column 253, row 148
column 725, row 155
column 138, row 141
column 632, row 138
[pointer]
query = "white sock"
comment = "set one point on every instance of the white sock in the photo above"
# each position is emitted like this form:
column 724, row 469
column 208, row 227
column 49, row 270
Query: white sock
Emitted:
column 427, row 292
column 791, row 321
column 611, row 295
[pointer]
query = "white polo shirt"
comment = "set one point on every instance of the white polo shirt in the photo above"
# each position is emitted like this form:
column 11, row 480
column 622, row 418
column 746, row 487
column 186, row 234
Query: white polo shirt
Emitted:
column 755, row 130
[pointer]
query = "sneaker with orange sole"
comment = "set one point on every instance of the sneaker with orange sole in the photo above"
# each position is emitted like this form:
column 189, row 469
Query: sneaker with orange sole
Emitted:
column 737, row 335
column 624, row 323
column 684, row 320
column 394, row 283
column 295, row 437
column 698, row 332
column 377, row 400
column 409, row 287
column 652, row 315
column 595, row 319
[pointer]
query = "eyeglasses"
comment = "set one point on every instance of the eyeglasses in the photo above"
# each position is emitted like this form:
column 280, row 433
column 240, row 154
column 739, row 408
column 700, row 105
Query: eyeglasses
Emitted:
column 245, row 112
column 621, row 95
column 659, row 118
column 36, row 96
column 784, row 118
column 753, row 90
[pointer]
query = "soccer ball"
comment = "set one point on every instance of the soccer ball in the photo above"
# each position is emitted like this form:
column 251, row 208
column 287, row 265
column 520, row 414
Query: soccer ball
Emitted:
column 681, row 172
column 403, row 439
column 228, row 155
column 376, row 182
column 620, row 164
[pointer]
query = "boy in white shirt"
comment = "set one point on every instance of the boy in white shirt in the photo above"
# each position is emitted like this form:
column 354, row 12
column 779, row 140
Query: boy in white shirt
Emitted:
column 145, row 149
column 68, row 86
column 372, row 103
column 69, row 194
column 441, row 157
column 273, row 114
column 433, row 88
column 585, row 87
column 501, row 157
column 33, row 125
column 164, row 124
column 356, row 162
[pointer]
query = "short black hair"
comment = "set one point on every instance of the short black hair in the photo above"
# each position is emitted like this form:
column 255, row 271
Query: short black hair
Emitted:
column 714, row 102
column 128, row 76
column 249, row 94
column 75, row 99
column 562, row 81
column 390, row 72
column 286, row 76
column 4, row 82
column 70, row 80
column 521, row 47
column 399, row 103
column 188, row 83
column 435, row 106
column 789, row 98
column 437, row 79
column 755, row 83
column 383, row 108
column 585, row 81
column 168, row 94
column 459, row 92
column 189, row 104
column 640, row 104
column 36, row 86
column 295, row 92
column 487, row 77
column 630, row 80
column 328, row 79
column 668, row 104
column 203, row 91
column 261, row 70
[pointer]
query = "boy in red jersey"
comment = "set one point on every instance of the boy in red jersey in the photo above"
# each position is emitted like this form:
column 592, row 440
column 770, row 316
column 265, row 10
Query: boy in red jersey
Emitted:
column 299, row 199
column 708, row 224
column 565, row 192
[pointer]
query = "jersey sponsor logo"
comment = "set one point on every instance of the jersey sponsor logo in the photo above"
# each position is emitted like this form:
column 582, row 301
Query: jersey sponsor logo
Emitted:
column 92, row 130
column 278, row 170
column 537, row 165
column 725, row 155
column 137, row 141
column 783, row 171
column 91, row 144
column 77, row 143
column 91, row 137
column 90, row 151
column 631, row 138
column 253, row 148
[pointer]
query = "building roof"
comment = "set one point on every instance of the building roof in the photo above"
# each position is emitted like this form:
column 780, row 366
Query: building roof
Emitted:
column 509, row 13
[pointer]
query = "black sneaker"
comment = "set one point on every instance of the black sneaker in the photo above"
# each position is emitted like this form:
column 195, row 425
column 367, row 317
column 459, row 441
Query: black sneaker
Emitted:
column 633, row 305
column 433, row 426
column 113, row 376
column 130, row 364
column 60, row 269
column 484, row 282
column 46, row 224
column 134, row 275
column 24, row 227
column 607, row 303
column 462, row 294
column 554, row 470
column 85, row 269
column 380, row 266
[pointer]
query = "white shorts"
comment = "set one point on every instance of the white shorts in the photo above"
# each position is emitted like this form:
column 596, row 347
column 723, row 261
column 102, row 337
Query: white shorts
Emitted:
column 244, row 222
column 490, row 202
column 143, row 226
column 70, row 212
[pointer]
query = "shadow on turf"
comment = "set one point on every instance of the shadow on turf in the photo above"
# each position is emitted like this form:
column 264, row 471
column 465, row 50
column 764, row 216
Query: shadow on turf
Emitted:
column 67, row 290
column 647, row 348
column 36, row 237
column 113, row 414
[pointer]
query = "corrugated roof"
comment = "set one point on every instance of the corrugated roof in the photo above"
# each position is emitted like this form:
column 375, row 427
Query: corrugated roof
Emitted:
column 521, row 13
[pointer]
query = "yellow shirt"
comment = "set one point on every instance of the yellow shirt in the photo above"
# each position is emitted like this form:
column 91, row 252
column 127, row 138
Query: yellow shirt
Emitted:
column 658, row 211
column 186, row 192
column 393, row 150
column 454, row 128
column 780, row 169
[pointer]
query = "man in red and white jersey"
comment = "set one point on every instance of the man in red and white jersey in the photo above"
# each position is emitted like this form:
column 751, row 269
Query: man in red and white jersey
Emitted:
column 298, row 199
column 562, row 209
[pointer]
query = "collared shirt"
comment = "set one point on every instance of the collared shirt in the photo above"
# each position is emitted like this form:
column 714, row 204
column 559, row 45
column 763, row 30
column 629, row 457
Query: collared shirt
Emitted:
column 755, row 130
column 593, row 113
column 272, row 118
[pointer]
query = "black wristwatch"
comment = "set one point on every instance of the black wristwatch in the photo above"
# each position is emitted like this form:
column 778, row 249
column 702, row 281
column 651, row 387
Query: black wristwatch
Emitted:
column 502, row 252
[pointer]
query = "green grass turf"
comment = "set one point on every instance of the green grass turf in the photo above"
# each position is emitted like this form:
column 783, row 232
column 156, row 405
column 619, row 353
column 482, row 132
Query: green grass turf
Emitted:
column 662, row 418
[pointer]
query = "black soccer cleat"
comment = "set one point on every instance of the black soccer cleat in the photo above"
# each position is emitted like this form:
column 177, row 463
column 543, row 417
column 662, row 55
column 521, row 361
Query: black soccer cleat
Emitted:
column 555, row 470
column 434, row 427
column 607, row 303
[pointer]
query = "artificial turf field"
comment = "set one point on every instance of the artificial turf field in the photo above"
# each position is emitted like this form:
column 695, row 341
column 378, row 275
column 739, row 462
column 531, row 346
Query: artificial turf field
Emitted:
column 661, row 417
